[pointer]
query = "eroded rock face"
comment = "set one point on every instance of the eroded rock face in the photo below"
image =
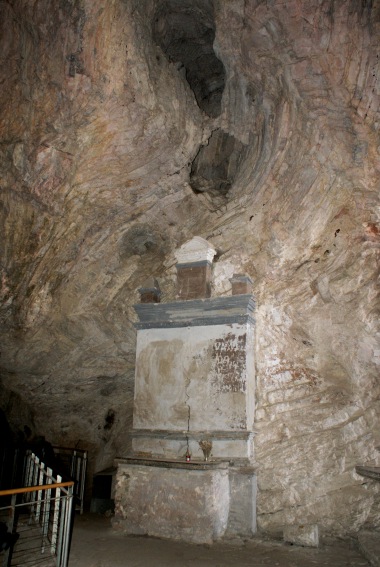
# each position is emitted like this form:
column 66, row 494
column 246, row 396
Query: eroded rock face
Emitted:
column 100, row 129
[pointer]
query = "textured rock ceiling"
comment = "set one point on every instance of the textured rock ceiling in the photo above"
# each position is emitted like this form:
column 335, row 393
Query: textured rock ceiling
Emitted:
column 127, row 127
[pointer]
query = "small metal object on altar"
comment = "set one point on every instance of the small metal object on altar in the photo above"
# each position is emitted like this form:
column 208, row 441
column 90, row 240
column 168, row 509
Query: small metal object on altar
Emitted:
column 206, row 446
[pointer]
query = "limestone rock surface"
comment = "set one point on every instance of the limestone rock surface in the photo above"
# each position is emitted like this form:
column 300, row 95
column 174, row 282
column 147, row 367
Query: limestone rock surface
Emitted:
column 113, row 119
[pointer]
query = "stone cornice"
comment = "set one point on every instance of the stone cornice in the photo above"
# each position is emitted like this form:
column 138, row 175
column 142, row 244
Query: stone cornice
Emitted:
column 197, row 312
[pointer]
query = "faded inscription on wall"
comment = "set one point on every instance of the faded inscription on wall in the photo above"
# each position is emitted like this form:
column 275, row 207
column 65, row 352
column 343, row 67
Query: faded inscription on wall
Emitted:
column 229, row 363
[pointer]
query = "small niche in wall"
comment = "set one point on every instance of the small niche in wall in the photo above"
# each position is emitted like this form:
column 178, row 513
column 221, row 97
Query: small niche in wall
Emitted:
column 102, row 501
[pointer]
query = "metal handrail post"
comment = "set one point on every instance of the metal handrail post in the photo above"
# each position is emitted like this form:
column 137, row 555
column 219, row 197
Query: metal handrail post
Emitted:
column 67, row 520
column 83, row 481
column 54, row 534
column 61, row 527
column 35, row 469
column 29, row 478
column 39, row 492
column 46, row 512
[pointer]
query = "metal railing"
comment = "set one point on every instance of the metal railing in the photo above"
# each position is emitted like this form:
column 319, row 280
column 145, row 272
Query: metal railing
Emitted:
column 75, row 463
column 40, row 516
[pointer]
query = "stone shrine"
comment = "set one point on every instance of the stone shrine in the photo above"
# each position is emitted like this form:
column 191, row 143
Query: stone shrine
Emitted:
column 190, row 475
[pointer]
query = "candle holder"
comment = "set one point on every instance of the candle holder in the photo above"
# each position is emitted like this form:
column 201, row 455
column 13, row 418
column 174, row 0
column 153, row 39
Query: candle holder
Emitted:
column 206, row 446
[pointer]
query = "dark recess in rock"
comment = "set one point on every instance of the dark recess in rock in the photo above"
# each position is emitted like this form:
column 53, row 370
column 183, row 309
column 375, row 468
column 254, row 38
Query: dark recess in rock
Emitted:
column 185, row 31
column 139, row 240
column 109, row 419
column 216, row 165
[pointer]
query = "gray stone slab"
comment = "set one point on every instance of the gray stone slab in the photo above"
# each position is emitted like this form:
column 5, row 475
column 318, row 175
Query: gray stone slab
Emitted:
column 369, row 545
column 242, row 512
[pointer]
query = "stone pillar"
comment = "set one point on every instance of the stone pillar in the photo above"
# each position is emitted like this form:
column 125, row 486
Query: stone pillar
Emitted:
column 241, row 284
column 150, row 291
column 194, row 269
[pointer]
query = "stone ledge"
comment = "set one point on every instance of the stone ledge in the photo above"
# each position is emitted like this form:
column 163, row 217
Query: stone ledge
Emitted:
column 171, row 463
column 238, row 466
column 170, row 434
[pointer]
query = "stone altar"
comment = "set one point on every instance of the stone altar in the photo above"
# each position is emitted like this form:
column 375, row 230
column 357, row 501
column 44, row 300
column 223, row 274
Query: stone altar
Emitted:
column 194, row 389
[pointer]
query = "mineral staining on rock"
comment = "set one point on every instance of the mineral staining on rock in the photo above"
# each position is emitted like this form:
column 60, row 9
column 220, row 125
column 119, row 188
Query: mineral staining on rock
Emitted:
column 105, row 165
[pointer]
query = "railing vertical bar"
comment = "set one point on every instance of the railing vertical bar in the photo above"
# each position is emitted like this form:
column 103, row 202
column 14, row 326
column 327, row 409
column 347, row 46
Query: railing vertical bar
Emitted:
column 57, row 501
column 29, row 474
column 46, row 512
column 77, row 476
column 67, row 520
column 83, row 481
column 39, row 492
column 61, row 526
column 79, row 463
column 72, row 464
column 36, row 462
column 30, row 469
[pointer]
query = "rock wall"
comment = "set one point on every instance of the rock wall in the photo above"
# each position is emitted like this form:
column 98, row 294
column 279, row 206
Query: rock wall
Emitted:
column 109, row 162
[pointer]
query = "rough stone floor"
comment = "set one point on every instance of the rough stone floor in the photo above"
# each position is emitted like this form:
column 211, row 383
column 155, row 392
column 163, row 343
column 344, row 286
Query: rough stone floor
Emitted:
column 96, row 545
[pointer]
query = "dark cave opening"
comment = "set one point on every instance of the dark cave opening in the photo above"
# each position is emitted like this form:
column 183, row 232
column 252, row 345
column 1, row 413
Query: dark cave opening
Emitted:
column 216, row 164
column 185, row 31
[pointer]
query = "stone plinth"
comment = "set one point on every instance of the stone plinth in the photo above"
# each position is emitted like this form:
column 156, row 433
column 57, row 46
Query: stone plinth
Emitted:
column 187, row 501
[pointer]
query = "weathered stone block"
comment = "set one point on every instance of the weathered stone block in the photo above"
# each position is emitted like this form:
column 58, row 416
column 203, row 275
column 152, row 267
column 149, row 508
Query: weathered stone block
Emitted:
column 306, row 535
column 178, row 503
